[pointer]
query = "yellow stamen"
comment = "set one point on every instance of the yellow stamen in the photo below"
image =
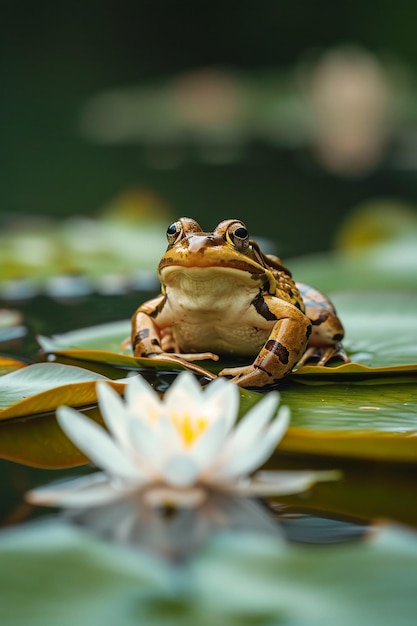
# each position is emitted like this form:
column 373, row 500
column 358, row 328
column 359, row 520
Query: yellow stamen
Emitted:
column 189, row 429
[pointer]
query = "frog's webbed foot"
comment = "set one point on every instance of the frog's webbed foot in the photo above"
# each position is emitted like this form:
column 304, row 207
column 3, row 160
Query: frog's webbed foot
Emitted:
column 247, row 376
column 324, row 354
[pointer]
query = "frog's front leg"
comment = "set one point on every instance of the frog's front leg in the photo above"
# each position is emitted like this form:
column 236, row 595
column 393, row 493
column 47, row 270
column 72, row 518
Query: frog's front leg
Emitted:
column 281, row 352
column 146, row 335
column 150, row 340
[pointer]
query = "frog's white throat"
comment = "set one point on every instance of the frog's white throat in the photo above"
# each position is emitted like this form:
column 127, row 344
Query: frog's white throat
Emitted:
column 209, row 287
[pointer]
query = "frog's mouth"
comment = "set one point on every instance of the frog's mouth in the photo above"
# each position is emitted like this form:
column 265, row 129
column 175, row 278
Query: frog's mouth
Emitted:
column 217, row 276
column 178, row 275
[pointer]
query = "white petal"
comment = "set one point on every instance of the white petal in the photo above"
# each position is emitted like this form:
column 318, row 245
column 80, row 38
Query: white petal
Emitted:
column 250, row 428
column 96, row 444
column 149, row 447
column 184, row 391
column 252, row 457
column 141, row 399
column 87, row 491
column 214, row 386
column 282, row 483
column 170, row 438
column 180, row 471
column 207, row 446
column 221, row 397
column 113, row 411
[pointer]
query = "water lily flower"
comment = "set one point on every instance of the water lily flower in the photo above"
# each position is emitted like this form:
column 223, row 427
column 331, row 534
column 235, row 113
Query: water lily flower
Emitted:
column 174, row 450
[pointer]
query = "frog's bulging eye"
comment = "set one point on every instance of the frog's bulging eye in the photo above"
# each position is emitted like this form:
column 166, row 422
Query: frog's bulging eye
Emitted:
column 174, row 232
column 238, row 235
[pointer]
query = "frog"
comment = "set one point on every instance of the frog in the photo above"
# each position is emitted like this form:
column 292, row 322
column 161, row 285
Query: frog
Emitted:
column 221, row 296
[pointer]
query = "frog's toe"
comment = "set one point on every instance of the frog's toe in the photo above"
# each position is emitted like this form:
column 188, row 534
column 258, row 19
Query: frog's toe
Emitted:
column 248, row 376
column 333, row 352
column 310, row 353
column 236, row 372
column 324, row 354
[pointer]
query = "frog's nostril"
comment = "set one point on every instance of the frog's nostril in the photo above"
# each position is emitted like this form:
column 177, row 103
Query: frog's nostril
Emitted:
column 200, row 243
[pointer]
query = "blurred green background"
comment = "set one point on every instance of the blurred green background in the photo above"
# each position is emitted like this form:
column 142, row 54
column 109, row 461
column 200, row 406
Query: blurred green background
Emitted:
column 287, row 115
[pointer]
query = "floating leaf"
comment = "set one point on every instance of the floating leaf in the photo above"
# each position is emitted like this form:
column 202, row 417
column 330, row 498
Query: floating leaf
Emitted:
column 381, row 327
column 109, row 332
column 11, row 325
column 29, row 432
column 101, row 337
column 36, row 389
column 391, row 265
column 8, row 365
column 376, row 422
column 239, row 579
column 368, row 583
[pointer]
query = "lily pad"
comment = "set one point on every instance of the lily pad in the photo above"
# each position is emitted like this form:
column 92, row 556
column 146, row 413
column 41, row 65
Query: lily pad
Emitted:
column 29, row 432
column 388, row 265
column 376, row 422
column 39, row 387
column 101, row 337
column 8, row 365
column 239, row 579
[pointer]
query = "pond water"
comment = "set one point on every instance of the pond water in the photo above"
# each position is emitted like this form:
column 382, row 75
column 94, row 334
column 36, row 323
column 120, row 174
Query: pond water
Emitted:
column 331, row 512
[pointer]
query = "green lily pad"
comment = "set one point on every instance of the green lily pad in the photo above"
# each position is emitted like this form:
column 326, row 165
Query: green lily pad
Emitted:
column 8, row 365
column 29, row 432
column 37, row 388
column 239, row 579
column 121, row 360
column 388, row 265
column 377, row 422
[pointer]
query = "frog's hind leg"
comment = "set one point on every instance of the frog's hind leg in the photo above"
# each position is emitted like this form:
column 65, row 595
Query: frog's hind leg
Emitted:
column 325, row 342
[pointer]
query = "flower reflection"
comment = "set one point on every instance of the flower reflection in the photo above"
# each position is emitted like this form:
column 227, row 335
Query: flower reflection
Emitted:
column 181, row 453
column 175, row 533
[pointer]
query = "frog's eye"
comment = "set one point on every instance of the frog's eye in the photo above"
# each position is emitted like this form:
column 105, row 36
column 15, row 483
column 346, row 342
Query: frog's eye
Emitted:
column 174, row 232
column 237, row 235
